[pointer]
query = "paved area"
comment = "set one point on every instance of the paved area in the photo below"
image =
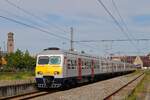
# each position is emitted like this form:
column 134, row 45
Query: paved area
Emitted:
column 95, row 91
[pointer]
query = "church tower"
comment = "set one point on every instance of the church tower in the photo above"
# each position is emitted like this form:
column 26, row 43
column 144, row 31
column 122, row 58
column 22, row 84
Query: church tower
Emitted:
column 10, row 42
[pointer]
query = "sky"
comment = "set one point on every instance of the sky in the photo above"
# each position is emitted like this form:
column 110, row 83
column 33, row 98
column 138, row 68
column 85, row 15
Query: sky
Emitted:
column 88, row 18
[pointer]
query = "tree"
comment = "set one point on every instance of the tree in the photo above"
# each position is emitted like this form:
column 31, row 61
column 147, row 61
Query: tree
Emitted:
column 20, row 61
column 10, row 61
column 28, row 61
column 0, row 59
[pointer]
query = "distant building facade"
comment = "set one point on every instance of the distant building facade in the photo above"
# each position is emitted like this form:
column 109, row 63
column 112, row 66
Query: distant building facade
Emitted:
column 10, row 42
column 142, row 62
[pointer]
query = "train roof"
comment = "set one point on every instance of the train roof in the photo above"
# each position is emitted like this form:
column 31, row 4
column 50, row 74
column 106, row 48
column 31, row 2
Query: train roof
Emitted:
column 47, row 52
column 60, row 51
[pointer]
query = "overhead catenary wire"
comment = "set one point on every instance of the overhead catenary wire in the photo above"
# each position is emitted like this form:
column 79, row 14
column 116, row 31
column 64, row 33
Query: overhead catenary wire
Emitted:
column 33, row 27
column 33, row 15
column 39, row 29
column 42, row 20
column 125, row 25
column 117, row 40
column 122, row 19
column 25, row 11
column 118, row 24
column 19, row 17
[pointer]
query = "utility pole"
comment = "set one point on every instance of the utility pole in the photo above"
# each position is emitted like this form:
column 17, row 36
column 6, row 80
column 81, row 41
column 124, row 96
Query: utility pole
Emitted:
column 71, row 40
column 4, row 48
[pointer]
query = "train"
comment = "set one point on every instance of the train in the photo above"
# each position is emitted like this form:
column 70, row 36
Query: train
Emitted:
column 56, row 68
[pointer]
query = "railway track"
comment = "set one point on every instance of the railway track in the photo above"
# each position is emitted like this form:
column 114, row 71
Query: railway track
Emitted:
column 110, row 97
column 29, row 95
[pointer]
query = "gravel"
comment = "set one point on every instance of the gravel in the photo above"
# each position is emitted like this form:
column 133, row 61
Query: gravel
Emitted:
column 95, row 91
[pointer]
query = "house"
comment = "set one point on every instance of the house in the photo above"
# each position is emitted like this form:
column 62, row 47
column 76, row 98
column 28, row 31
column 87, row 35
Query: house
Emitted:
column 128, row 59
column 142, row 62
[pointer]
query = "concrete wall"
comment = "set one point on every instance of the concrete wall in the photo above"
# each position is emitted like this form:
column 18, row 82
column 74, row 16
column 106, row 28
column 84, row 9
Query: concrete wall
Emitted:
column 12, row 90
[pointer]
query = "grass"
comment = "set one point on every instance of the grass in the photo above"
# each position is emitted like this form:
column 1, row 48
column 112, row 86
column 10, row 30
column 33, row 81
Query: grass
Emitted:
column 140, row 89
column 16, row 76
column 134, row 73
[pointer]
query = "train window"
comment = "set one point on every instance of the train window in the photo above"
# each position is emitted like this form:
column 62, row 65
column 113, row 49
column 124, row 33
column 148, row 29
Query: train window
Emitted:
column 72, row 64
column 68, row 66
column 73, row 67
column 75, row 63
column 54, row 60
column 85, row 63
column 82, row 63
column 68, row 60
column 43, row 60
column 94, row 65
column 82, row 67
column 102, row 63
column 89, row 64
column 97, row 66
column 68, row 63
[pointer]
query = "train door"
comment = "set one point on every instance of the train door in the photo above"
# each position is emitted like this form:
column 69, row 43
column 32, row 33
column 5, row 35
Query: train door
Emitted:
column 79, row 69
column 92, row 69
column 65, row 67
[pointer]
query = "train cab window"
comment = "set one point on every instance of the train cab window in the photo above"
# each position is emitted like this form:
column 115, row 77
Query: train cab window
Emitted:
column 43, row 60
column 54, row 60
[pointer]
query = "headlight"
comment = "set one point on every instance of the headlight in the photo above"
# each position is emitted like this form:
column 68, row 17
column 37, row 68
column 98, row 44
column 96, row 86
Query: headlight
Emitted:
column 56, row 73
column 40, row 73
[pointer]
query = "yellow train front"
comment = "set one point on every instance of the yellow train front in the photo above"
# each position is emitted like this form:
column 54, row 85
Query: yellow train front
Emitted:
column 49, row 69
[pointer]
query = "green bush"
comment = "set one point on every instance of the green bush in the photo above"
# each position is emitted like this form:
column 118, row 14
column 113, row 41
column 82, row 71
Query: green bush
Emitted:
column 20, row 61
